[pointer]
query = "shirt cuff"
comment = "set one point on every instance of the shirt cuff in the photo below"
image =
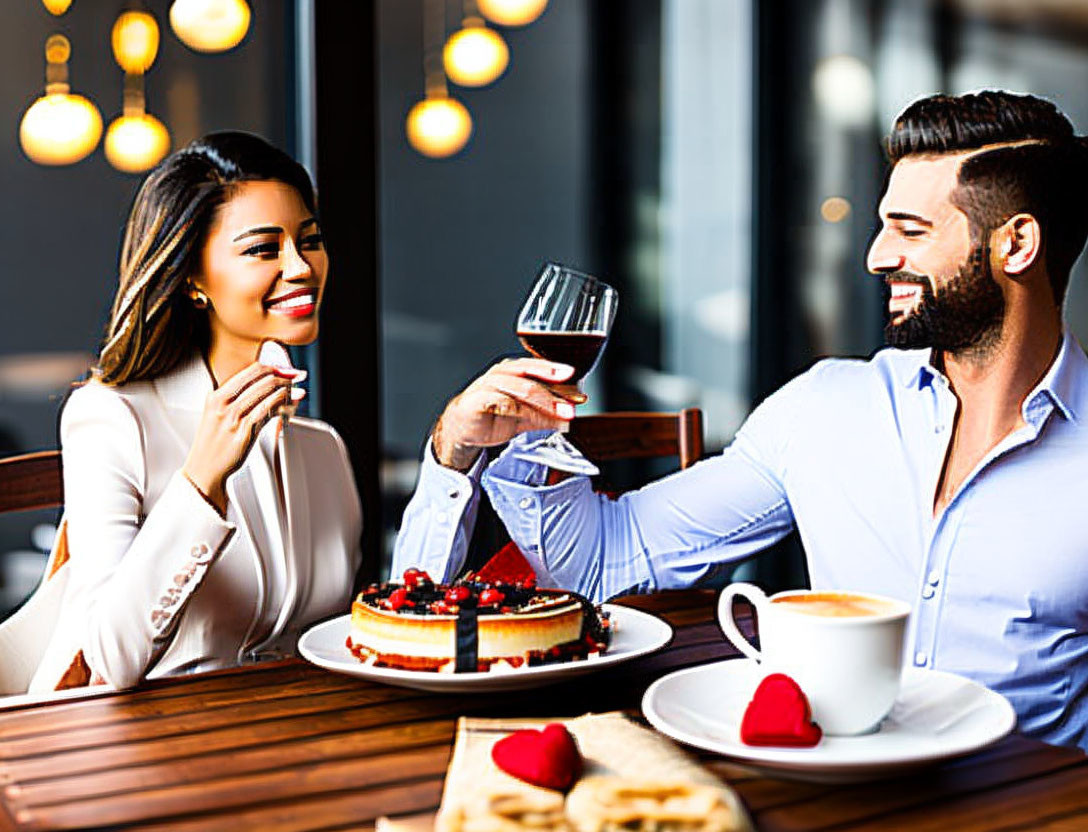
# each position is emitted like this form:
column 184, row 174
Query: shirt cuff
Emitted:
column 509, row 468
column 433, row 472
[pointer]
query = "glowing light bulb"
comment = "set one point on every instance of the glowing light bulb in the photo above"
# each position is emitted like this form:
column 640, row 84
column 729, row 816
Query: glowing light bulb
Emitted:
column 210, row 25
column 59, row 128
column 475, row 55
column 835, row 209
column 845, row 89
column 135, row 40
column 438, row 126
column 57, row 7
column 135, row 143
column 511, row 12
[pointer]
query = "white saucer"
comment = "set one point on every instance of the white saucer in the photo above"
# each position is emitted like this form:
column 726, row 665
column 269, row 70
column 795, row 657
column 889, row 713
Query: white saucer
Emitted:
column 936, row 716
column 635, row 634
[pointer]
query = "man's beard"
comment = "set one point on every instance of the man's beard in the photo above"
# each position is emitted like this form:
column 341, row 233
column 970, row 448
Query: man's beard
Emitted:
column 965, row 315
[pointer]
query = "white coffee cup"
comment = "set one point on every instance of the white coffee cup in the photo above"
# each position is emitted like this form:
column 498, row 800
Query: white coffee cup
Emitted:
column 844, row 649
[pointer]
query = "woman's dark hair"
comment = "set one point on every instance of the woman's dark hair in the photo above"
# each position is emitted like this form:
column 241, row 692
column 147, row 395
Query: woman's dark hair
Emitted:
column 154, row 325
column 1036, row 166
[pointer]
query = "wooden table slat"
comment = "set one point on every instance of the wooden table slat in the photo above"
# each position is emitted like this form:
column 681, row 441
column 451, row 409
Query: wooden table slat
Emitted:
column 1008, row 805
column 857, row 803
column 70, row 716
column 247, row 791
column 137, row 730
column 352, row 809
column 235, row 760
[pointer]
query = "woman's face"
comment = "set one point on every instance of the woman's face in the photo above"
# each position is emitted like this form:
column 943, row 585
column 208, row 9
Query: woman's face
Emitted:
column 263, row 269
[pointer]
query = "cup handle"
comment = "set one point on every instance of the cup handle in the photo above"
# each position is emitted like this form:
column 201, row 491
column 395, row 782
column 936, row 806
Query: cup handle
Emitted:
column 749, row 592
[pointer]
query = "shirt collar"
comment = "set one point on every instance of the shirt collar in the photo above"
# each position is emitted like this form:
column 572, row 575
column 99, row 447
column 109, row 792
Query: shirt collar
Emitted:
column 916, row 369
column 1064, row 384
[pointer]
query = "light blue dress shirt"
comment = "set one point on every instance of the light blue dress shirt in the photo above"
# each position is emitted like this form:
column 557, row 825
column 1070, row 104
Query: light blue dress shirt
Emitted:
column 849, row 453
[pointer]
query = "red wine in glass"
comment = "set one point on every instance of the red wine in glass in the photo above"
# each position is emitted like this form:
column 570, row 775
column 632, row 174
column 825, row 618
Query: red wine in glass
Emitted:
column 579, row 349
column 567, row 318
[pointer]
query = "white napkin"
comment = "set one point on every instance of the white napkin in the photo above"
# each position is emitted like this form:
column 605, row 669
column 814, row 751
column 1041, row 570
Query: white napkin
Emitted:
column 274, row 354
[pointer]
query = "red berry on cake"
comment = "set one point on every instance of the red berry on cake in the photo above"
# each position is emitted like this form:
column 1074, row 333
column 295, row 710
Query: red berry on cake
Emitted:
column 491, row 596
column 457, row 594
column 411, row 577
column 397, row 599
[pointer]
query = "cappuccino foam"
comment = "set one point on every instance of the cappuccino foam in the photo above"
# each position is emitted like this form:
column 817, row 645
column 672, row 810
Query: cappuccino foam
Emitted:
column 836, row 604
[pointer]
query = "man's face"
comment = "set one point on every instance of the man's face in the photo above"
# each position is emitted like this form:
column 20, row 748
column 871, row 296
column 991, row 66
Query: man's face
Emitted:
column 942, row 293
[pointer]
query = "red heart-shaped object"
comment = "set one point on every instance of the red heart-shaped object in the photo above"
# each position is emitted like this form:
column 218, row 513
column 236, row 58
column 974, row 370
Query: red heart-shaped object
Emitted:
column 779, row 714
column 548, row 758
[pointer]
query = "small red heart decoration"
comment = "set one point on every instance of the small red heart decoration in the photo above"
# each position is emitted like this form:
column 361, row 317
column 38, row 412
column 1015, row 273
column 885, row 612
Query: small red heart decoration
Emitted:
column 548, row 758
column 779, row 714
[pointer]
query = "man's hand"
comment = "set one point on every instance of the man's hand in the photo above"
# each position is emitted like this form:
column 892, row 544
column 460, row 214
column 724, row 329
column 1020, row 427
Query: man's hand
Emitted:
column 510, row 398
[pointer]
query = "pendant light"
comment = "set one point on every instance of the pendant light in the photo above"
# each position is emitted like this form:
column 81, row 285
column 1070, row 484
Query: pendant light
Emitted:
column 60, row 128
column 135, row 41
column 439, row 125
column 475, row 55
column 210, row 25
column 512, row 12
column 57, row 7
column 136, row 141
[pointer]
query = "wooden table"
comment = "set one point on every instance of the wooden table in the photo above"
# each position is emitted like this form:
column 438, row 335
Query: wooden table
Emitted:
column 288, row 746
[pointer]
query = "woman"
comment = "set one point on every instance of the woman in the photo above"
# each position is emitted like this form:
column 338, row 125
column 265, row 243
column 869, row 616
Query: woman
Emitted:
column 203, row 530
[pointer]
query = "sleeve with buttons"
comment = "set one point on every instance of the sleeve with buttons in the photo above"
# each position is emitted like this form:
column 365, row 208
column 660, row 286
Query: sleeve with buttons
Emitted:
column 438, row 522
column 131, row 574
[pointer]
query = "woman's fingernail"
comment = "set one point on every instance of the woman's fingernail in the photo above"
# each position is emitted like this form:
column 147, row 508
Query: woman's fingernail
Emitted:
column 297, row 394
column 561, row 370
column 564, row 410
column 291, row 373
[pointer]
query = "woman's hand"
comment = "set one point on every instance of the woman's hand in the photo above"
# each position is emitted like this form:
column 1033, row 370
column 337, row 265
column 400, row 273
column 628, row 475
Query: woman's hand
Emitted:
column 233, row 416
column 510, row 398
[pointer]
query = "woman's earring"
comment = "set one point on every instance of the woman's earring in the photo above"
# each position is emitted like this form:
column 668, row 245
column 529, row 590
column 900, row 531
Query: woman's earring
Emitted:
column 200, row 300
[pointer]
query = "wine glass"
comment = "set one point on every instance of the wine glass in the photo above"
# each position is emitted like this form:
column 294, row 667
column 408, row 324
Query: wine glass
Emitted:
column 567, row 318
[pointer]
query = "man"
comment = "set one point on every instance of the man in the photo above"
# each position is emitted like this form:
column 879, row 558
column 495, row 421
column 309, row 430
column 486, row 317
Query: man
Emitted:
column 946, row 472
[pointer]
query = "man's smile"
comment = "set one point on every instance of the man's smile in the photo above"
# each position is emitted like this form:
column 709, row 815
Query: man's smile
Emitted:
column 904, row 297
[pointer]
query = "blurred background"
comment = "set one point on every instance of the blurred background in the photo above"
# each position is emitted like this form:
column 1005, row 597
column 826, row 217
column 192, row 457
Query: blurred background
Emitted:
column 718, row 161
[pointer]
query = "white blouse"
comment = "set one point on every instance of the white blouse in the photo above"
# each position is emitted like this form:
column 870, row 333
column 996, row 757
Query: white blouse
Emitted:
column 159, row 583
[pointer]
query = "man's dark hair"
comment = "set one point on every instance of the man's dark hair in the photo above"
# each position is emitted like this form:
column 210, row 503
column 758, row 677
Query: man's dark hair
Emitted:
column 1047, row 178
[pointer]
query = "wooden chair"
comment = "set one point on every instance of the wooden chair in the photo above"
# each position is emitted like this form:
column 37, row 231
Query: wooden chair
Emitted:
column 637, row 435
column 32, row 481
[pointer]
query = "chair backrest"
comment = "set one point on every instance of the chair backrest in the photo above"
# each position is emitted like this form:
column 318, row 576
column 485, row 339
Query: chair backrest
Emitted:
column 636, row 435
column 31, row 481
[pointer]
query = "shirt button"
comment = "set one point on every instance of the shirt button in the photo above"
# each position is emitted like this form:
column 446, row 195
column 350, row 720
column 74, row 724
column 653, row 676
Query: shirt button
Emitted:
column 928, row 592
column 442, row 517
column 933, row 578
column 525, row 502
column 938, row 428
column 920, row 658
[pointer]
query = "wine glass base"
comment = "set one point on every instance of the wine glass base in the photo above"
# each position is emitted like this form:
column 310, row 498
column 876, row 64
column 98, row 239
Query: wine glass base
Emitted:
column 556, row 452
